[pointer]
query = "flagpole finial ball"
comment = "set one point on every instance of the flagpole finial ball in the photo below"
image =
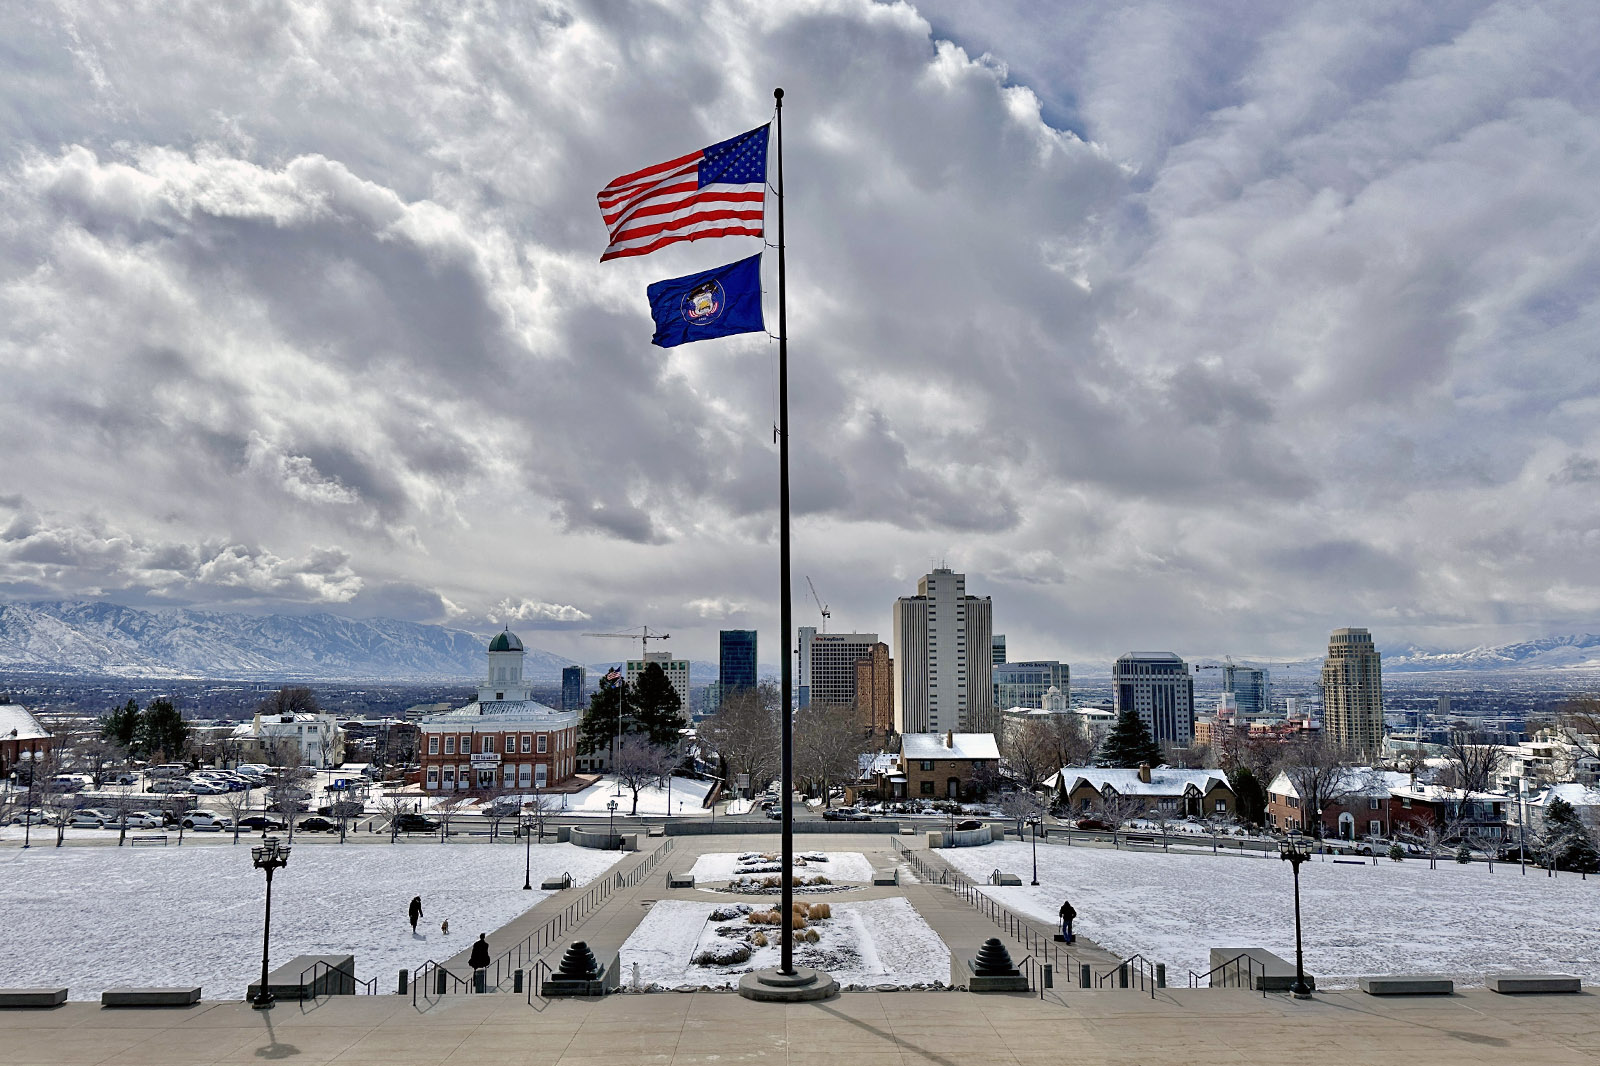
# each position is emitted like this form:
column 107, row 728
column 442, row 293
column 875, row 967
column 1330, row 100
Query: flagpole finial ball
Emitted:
column 777, row 94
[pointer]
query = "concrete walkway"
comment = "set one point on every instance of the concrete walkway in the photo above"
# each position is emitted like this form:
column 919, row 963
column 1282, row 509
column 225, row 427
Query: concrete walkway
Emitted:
column 1192, row 1028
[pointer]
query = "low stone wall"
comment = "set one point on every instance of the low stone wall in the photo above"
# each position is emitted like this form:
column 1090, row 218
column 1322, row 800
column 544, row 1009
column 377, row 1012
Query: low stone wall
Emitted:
column 730, row 827
column 961, row 838
column 590, row 838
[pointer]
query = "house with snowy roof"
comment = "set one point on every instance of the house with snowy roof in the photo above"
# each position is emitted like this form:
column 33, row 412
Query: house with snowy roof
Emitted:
column 1414, row 807
column 1363, row 809
column 1162, row 792
column 22, row 738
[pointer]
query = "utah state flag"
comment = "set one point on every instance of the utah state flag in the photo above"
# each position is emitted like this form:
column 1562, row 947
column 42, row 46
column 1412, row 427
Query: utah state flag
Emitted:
column 713, row 303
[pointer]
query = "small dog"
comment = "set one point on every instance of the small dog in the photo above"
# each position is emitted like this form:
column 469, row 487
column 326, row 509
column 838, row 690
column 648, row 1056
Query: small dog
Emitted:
column 444, row 927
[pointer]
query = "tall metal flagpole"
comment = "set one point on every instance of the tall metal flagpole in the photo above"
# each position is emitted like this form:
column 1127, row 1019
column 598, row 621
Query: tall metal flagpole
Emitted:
column 785, row 613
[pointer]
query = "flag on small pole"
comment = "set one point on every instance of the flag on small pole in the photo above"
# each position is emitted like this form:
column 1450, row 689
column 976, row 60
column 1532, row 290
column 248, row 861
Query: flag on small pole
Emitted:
column 713, row 303
column 718, row 191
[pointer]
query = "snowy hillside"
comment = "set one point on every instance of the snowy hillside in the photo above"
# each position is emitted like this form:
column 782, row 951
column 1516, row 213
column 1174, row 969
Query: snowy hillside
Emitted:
column 102, row 638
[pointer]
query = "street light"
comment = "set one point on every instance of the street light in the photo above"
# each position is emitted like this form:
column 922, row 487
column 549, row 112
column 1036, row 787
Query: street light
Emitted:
column 269, row 855
column 1035, row 823
column 611, row 807
column 527, row 850
column 1294, row 851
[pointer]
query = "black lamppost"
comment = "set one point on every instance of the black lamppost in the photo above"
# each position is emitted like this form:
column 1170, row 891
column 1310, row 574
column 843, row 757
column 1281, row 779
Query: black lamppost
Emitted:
column 269, row 855
column 527, row 852
column 1294, row 851
column 1035, row 824
column 611, row 807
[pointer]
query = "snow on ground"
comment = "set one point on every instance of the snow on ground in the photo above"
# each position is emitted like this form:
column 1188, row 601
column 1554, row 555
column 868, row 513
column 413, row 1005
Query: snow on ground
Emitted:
column 687, row 796
column 93, row 918
column 834, row 865
column 872, row 942
column 1358, row 919
column 740, row 806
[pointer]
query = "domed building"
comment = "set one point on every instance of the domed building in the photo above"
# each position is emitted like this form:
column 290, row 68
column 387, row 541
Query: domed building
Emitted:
column 503, row 741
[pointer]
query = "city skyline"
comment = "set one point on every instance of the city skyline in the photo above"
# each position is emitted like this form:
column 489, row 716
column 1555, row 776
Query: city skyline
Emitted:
column 1239, row 356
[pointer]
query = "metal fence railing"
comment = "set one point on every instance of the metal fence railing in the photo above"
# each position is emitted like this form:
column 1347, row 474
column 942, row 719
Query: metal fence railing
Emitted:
column 1237, row 972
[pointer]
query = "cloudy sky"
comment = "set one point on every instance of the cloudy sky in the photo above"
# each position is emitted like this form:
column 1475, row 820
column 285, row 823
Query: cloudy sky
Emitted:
column 1206, row 327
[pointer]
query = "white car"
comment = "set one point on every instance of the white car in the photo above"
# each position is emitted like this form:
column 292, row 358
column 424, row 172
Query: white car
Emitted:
column 206, row 821
column 85, row 820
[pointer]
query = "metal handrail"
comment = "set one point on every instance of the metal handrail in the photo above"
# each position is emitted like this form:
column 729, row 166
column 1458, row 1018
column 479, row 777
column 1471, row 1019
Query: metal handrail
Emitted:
column 537, row 975
column 427, row 976
column 1250, row 964
column 368, row 987
column 1127, row 969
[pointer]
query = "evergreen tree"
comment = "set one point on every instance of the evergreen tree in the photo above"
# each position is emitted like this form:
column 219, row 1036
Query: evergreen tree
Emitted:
column 162, row 728
column 1247, row 790
column 1568, row 845
column 1128, row 744
column 121, row 725
column 612, row 701
column 658, row 710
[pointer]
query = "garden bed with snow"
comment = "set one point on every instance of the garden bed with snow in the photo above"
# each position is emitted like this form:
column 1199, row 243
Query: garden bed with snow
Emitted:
column 1359, row 919
column 871, row 944
column 756, row 872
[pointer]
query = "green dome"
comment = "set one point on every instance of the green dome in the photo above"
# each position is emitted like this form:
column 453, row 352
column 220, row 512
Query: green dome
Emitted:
column 506, row 641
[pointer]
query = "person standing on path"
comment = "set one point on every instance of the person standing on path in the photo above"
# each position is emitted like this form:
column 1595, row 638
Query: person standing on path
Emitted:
column 1067, row 914
column 479, row 961
column 416, row 913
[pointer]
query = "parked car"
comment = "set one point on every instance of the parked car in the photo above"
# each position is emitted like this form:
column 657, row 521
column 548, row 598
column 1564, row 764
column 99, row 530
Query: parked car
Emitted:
column 258, row 823
column 206, row 821
column 1098, row 824
column 857, row 816
column 143, row 820
column 125, row 777
column 168, row 769
column 316, row 824
column 776, row 816
column 967, row 824
column 415, row 823
column 85, row 820
column 833, row 815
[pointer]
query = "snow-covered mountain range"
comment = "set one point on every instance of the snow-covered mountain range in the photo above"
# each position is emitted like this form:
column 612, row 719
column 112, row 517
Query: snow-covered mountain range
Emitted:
column 105, row 639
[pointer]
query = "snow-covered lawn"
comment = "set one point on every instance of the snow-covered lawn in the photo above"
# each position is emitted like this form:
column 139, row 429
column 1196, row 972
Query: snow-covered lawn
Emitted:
column 92, row 918
column 834, row 865
column 873, row 942
column 1358, row 919
column 687, row 796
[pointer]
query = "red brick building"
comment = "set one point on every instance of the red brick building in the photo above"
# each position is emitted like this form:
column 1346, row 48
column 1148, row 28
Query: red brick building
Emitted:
column 22, row 738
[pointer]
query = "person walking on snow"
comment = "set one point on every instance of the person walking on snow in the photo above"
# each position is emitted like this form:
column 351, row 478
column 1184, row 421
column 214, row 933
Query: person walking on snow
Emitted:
column 416, row 913
column 1067, row 914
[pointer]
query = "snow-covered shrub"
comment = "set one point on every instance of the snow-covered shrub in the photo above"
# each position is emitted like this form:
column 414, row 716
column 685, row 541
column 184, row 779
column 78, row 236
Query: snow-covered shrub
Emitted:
column 722, row 953
column 729, row 912
column 1396, row 852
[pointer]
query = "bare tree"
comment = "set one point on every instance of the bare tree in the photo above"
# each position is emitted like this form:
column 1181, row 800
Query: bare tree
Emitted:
column 175, row 806
column 1117, row 808
column 640, row 763
column 829, row 743
column 288, row 793
column 237, row 804
column 1021, row 807
column 391, row 806
column 98, row 755
column 290, row 700
column 122, row 805
column 1030, row 750
column 1324, row 774
column 447, row 810
column 1472, row 761
column 56, row 800
column 744, row 734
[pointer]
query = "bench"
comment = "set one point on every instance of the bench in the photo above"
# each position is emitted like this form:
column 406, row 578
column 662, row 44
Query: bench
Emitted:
column 150, row 997
column 1532, row 983
column 555, row 884
column 136, row 841
column 1352, row 862
column 679, row 880
column 32, row 997
column 1407, row 985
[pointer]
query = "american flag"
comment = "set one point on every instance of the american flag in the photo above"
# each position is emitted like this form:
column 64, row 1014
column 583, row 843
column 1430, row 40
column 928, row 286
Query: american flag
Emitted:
column 718, row 191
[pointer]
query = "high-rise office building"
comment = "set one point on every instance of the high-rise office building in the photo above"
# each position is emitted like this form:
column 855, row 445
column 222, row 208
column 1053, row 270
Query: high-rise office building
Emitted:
column 997, row 647
column 1249, row 687
column 1025, row 684
column 827, row 667
column 574, row 679
column 875, row 691
column 736, row 664
column 677, row 671
column 1157, row 686
column 1352, row 691
column 944, row 658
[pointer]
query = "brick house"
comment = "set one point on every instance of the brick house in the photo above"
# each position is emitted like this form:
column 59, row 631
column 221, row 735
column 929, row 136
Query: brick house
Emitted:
column 1163, row 792
column 1363, row 811
column 503, row 740
column 948, row 765
column 22, row 738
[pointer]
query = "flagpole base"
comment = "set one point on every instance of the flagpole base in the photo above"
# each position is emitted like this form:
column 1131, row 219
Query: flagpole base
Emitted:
column 771, row 986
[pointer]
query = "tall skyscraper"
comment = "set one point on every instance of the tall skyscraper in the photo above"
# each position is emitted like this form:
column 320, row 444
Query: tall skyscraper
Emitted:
column 997, row 646
column 1025, row 684
column 574, row 679
column 944, row 658
column 736, row 665
column 827, row 672
column 1249, row 687
column 1352, row 691
column 677, row 671
column 1157, row 685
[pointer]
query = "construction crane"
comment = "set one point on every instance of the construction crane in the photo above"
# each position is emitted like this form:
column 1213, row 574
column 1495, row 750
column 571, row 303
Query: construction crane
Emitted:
column 644, row 638
column 820, row 605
